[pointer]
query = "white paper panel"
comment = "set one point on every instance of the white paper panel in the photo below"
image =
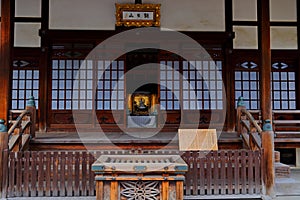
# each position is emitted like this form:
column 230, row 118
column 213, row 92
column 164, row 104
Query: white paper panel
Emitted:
column 244, row 10
column 28, row 8
column 245, row 37
column 193, row 15
column 79, row 14
column 283, row 10
column 27, row 35
column 283, row 38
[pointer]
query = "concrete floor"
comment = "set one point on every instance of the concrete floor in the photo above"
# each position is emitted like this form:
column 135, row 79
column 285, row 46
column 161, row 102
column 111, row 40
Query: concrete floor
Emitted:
column 289, row 188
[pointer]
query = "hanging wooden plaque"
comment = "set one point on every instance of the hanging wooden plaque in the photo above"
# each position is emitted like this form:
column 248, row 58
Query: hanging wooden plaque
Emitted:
column 138, row 15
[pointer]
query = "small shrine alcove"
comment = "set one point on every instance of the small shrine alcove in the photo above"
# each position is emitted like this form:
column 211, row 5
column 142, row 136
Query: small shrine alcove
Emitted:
column 142, row 90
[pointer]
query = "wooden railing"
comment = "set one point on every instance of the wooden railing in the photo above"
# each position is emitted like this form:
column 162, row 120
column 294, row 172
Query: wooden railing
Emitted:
column 285, row 123
column 56, row 174
column 236, row 172
column 15, row 139
column 248, row 128
column 22, row 129
column 68, row 173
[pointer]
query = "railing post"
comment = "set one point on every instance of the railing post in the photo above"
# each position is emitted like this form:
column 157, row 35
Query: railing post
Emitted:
column 268, row 158
column 251, row 143
column 240, row 107
column 30, row 106
column 18, row 144
column 3, row 161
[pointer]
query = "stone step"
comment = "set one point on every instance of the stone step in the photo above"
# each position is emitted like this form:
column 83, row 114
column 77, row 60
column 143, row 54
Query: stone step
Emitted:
column 282, row 170
column 287, row 187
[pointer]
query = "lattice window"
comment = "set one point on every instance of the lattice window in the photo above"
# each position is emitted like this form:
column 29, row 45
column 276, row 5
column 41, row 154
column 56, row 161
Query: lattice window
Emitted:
column 25, row 84
column 247, row 85
column 110, row 87
column 202, row 85
column 169, row 85
column 83, row 87
column 73, row 83
column 63, row 73
column 68, row 94
column 283, row 86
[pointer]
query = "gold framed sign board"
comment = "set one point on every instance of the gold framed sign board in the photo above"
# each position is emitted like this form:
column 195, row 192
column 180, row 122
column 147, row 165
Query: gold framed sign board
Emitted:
column 137, row 15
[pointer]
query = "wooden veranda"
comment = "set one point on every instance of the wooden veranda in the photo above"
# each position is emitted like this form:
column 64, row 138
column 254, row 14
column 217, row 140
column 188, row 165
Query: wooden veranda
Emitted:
column 59, row 173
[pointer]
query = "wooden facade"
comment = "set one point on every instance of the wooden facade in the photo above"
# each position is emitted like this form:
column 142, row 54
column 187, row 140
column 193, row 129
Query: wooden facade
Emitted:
column 267, row 79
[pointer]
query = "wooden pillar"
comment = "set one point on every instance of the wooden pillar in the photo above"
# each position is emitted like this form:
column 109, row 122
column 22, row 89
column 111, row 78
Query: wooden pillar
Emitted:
column 229, row 69
column 99, row 190
column 240, row 107
column 267, row 137
column 263, row 12
column 114, row 191
column 44, row 72
column 265, row 55
column 6, row 41
column 3, row 161
column 31, row 107
column 7, row 7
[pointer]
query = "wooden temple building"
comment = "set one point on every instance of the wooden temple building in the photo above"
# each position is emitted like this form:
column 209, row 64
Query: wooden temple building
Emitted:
column 84, row 78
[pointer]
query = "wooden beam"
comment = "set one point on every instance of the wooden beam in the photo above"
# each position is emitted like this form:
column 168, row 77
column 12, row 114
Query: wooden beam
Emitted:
column 228, row 15
column 3, row 161
column 267, row 135
column 6, row 41
column 27, row 19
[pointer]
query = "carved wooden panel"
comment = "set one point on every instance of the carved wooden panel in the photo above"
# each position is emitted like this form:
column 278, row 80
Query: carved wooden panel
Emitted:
column 67, row 118
column 108, row 117
column 169, row 117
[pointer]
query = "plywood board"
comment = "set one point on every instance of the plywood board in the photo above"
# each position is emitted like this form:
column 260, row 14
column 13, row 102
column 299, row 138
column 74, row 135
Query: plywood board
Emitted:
column 197, row 139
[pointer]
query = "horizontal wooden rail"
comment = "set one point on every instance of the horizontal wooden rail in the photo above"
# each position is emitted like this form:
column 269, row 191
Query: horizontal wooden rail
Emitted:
column 254, row 112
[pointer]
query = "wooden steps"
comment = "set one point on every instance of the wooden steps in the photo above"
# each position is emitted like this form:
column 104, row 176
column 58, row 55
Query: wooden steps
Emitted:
column 287, row 134
column 92, row 140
